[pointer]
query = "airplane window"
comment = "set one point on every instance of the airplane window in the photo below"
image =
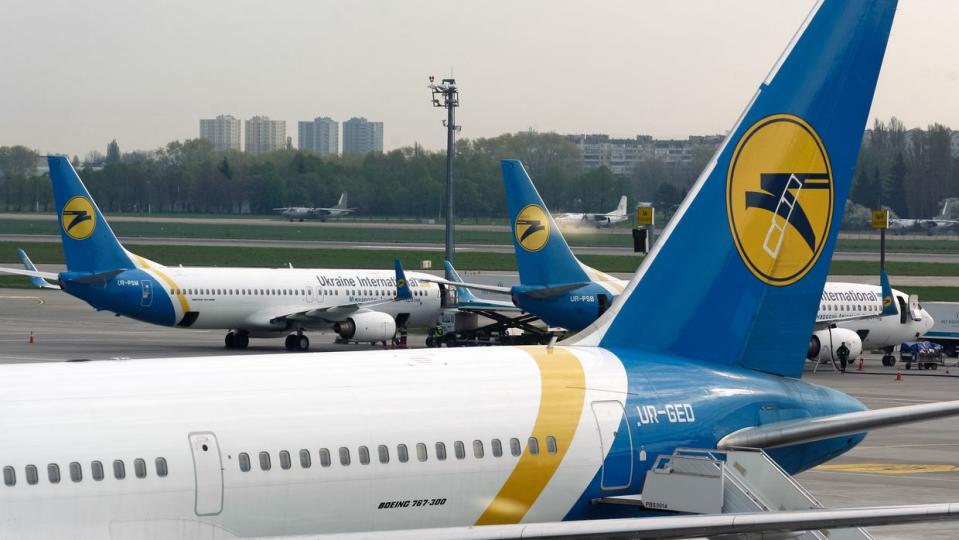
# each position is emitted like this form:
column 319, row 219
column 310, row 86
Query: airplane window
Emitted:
column 96, row 470
column 459, row 450
column 285, row 461
column 53, row 473
column 171, row 291
column 533, row 446
column 441, row 451
column 244, row 460
column 421, row 452
column 364, row 455
column 32, row 476
column 497, row 448
column 305, row 460
column 478, row 449
column 140, row 468
column 514, row 447
column 344, row 455
column 384, row 453
column 161, row 468
column 324, row 457
column 119, row 469
column 551, row 444
column 402, row 453
column 76, row 472
column 9, row 476
column 265, row 461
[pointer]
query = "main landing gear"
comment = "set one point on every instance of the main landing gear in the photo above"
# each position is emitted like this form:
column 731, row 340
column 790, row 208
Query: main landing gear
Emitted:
column 297, row 342
column 237, row 340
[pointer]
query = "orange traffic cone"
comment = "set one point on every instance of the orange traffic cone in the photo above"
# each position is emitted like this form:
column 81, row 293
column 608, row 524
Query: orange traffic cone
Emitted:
column 30, row 339
column 898, row 375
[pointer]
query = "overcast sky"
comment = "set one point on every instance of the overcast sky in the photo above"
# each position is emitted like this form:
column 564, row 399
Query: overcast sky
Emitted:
column 78, row 73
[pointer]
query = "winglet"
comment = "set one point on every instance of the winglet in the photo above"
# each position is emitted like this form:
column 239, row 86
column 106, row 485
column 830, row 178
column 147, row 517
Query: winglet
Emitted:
column 37, row 281
column 464, row 294
column 402, row 287
column 888, row 302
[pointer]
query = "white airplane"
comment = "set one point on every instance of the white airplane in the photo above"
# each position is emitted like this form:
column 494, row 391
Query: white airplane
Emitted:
column 359, row 305
column 302, row 212
column 526, row 442
column 598, row 220
column 943, row 221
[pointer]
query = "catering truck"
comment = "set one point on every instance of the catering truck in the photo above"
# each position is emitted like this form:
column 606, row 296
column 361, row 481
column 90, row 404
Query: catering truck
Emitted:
column 945, row 331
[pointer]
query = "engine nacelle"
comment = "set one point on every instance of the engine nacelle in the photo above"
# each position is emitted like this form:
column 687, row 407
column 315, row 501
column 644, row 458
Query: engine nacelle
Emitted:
column 824, row 343
column 367, row 326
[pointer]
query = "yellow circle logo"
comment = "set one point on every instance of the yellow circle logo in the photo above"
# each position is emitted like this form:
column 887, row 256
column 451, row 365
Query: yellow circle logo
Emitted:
column 531, row 227
column 78, row 218
column 779, row 198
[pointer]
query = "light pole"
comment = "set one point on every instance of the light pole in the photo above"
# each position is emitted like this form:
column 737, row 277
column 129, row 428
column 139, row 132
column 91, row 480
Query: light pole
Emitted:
column 446, row 95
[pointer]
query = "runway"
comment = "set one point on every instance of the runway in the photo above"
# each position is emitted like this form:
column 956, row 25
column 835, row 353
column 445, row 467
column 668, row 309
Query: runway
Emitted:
column 436, row 247
column 906, row 465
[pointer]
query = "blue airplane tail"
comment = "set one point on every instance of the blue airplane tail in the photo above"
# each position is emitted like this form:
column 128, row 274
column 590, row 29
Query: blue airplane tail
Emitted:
column 542, row 255
column 89, row 244
column 737, row 275
column 888, row 302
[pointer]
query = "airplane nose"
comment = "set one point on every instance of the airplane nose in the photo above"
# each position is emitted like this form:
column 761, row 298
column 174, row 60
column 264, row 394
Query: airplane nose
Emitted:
column 927, row 321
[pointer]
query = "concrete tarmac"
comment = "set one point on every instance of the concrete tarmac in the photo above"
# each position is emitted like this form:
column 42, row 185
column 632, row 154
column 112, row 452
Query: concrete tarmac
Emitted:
column 436, row 247
column 913, row 464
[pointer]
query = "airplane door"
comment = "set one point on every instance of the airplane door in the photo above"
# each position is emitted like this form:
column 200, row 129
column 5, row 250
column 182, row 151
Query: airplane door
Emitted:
column 309, row 294
column 914, row 311
column 616, row 444
column 146, row 296
column 208, row 472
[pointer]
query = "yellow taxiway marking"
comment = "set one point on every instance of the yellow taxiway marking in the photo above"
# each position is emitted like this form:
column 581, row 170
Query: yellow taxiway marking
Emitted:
column 889, row 468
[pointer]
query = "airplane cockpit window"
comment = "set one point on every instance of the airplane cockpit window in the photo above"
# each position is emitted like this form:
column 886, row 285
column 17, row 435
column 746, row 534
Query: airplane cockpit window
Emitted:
column 53, row 473
column 285, row 461
column 140, row 468
column 441, row 451
column 9, row 476
column 76, row 472
column 514, row 447
column 244, row 460
column 459, row 450
column 305, row 459
column 265, row 463
column 402, row 453
column 96, row 470
column 162, row 468
column 31, row 473
column 497, row 447
column 119, row 469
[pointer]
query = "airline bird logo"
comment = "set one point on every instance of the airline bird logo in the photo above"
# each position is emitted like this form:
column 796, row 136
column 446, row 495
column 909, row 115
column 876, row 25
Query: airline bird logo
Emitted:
column 531, row 227
column 78, row 218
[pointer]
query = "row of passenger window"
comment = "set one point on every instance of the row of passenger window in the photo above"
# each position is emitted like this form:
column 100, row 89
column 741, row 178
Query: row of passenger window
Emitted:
column 75, row 469
column 402, row 453
column 289, row 292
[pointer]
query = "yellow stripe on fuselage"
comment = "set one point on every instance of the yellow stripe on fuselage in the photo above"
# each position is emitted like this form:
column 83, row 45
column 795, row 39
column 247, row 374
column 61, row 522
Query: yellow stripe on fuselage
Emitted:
column 560, row 409
column 145, row 265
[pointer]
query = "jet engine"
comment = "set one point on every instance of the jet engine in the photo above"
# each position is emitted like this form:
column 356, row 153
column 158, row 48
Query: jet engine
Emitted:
column 824, row 343
column 367, row 326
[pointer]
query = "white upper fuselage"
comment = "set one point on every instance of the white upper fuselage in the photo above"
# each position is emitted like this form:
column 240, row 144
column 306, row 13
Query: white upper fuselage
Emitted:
column 846, row 300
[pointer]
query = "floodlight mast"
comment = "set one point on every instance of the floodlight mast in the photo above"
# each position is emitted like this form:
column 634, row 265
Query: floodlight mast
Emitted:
column 446, row 95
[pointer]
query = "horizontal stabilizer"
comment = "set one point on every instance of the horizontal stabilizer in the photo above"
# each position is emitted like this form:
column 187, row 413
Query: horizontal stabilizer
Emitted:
column 461, row 284
column 549, row 292
column 95, row 279
column 29, row 273
column 684, row 526
column 792, row 432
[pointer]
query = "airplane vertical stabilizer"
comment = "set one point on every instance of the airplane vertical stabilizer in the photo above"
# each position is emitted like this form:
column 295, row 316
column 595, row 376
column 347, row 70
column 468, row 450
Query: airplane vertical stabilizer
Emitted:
column 89, row 244
column 542, row 255
column 737, row 276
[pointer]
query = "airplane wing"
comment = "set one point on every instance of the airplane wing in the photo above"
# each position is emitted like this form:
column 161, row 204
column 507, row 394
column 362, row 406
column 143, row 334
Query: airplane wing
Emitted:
column 682, row 526
column 463, row 284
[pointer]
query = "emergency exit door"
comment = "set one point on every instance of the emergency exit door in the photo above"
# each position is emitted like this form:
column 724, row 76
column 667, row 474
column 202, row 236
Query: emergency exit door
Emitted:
column 616, row 445
column 208, row 472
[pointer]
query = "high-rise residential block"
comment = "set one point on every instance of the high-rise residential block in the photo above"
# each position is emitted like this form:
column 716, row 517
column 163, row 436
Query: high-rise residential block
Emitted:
column 264, row 135
column 223, row 131
column 361, row 136
column 320, row 136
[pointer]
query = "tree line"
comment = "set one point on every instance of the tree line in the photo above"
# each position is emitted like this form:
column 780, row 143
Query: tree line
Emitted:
column 909, row 171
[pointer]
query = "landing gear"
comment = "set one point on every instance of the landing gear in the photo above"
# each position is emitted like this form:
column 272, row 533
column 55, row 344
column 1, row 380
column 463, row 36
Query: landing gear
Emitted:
column 297, row 342
column 888, row 360
column 237, row 340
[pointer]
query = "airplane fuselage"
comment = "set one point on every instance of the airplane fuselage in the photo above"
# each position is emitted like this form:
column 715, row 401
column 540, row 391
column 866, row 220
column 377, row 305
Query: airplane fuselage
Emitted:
column 339, row 442
column 250, row 299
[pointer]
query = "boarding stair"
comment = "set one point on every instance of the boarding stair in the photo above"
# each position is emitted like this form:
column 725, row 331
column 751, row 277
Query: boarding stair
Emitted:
column 724, row 482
